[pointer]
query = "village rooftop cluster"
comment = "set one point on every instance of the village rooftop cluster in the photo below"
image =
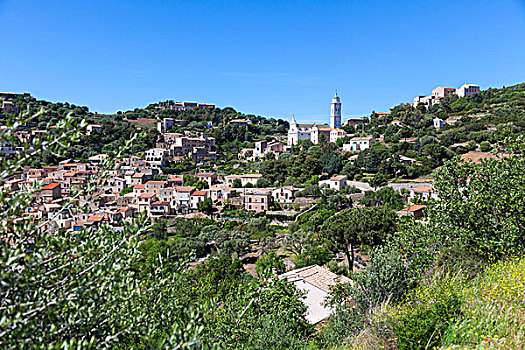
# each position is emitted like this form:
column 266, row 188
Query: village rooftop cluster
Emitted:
column 133, row 185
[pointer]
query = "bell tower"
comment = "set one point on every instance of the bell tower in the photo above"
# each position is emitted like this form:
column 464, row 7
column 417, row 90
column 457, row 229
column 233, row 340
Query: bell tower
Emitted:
column 293, row 133
column 335, row 112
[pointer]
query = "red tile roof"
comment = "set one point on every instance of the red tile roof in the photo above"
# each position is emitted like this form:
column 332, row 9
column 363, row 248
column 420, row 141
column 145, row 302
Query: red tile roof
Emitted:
column 184, row 188
column 51, row 186
column 159, row 202
column 156, row 183
column 422, row 189
column 317, row 276
column 413, row 208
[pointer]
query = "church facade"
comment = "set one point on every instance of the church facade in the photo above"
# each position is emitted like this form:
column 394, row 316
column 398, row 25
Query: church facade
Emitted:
column 313, row 131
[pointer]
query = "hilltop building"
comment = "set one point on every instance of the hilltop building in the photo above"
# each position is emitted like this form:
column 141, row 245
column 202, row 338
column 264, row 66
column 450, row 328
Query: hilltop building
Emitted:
column 182, row 106
column 467, row 90
column 12, row 95
column 443, row 91
column 313, row 131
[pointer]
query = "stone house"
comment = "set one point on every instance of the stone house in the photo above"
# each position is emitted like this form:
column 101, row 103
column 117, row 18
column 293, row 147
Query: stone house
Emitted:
column 51, row 192
column 257, row 200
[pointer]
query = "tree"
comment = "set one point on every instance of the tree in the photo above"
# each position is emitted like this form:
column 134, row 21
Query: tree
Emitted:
column 225, row 242
column 352, row 227
column 481, row 207
column 268, row 263
column 263, row 182
column 385, row 278
column 270, row 156
column 384, row 196
column 159, row 230
column 237, row 183
column 330, row 163
column 350, row 170
column 296, row 241
column 201, row 184
column 485, row 146
column 205, row 206
column 312, row 256
column 338, row 201
column 126, row 191
column 378, row 180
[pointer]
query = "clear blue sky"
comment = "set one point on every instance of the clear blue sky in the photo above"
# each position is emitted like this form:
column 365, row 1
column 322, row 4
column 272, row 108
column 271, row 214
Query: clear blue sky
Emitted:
column 273, row 58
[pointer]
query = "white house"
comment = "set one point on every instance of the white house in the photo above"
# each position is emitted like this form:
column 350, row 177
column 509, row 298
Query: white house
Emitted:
column 7, row 148
column 336, row 183
column 165, row 125
column 93, row 128
column 427, row 100
column 183, row 194
column 317, row 282
column 406, row 160
column 438, row 123
column 284, row 194
column 197, row 197
column 467, row 90
column 245, row 179
column 336, row 134
column 443, row 91
column 359, row 143
column 422, row 193
column 157, row 157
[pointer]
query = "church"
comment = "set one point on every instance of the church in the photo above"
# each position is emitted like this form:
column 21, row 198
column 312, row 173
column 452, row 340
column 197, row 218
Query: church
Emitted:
column 313, row 131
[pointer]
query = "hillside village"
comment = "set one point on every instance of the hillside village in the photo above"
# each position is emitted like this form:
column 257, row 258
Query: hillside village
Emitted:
column 138, row 184
column 273, row 198
column 145, row 182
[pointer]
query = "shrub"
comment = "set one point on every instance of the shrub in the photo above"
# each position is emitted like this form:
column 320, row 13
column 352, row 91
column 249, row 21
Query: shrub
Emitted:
column 485, row 146
column 425, row 326
column 313, row 256
column 267, row 263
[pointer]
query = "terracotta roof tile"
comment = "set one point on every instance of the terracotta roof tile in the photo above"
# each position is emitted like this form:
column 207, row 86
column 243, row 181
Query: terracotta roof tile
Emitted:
column 413, row 208
column 51, row 186
column 317, row 276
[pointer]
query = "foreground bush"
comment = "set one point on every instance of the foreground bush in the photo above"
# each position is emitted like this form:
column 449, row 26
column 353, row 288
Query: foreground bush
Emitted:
column 455, row 312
